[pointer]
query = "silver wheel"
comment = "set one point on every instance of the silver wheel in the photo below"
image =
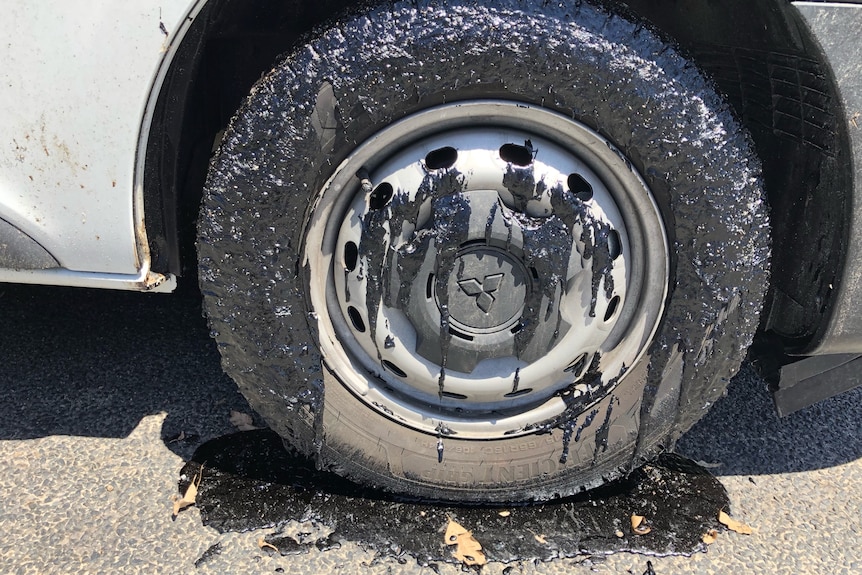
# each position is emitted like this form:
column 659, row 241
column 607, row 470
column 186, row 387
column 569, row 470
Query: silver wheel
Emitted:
column 479, row 267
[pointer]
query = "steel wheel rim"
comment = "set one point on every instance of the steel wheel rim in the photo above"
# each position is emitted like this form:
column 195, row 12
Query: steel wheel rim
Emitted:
column 381, row 347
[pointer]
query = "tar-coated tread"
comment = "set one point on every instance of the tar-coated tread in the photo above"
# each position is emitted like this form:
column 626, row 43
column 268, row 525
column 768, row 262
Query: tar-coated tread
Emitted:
column 603, row 70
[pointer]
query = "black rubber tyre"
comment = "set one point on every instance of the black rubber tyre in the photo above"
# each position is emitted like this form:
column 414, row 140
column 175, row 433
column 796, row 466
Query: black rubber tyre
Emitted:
column 355, row 78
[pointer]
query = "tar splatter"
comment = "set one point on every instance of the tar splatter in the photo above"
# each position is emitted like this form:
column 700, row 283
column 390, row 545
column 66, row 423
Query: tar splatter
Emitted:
column 649, row 569
column 251, row 482
column 211, row 552
column 443, row 190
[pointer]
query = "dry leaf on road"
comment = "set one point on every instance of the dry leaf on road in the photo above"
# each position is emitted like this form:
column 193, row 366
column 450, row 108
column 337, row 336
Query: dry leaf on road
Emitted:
column 242, row 421
column 189, row 496
column 467, row 549
column 639, row 526
column 540, row 539
column 733, row 524
column 710, row 537
column 264, row 544
column 178, row 438
column 453, row 530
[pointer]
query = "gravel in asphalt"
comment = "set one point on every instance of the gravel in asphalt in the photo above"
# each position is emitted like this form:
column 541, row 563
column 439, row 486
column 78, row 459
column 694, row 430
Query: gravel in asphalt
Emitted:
column 96, row 387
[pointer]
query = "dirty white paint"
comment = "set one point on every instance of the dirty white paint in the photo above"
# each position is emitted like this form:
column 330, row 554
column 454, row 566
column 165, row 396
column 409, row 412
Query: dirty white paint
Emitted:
column 76, row 86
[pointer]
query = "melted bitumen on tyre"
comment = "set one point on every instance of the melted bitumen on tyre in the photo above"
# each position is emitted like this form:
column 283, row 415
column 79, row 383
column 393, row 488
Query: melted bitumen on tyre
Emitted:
column 250, row 481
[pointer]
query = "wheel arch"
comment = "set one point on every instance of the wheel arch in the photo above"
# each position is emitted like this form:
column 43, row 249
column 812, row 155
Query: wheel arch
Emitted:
column 750, row 49
column 227, row 47
column 774, row 74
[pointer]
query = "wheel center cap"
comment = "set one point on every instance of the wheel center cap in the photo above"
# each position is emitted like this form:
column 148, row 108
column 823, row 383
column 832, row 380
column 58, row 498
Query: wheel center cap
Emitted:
column 487, row 290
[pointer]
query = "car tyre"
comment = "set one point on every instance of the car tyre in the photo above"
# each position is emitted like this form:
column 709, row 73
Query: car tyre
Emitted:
column 297, row 232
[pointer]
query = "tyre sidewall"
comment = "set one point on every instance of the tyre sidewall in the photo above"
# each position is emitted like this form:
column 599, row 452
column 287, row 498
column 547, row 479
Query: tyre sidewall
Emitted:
column 602, row 70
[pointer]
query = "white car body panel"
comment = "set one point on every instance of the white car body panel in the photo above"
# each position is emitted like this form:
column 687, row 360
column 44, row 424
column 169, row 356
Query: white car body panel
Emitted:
column 79, row 82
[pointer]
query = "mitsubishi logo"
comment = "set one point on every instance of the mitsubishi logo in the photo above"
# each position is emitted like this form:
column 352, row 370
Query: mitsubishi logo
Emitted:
column 482, row 291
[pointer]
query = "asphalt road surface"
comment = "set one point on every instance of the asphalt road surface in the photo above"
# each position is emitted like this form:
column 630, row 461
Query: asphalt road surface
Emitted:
column 104, row 395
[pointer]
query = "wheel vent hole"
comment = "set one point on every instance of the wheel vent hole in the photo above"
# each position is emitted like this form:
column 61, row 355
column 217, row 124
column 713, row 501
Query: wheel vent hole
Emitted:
column 612, row 308
column 380, row 196
column 451, row 395
column 580, row 187
column 351, row 256
column 615, row 245
column 394, row 368
column 516, row 328
column 441, row 158
column 461, row 335
column 515, row 154
column 356, row 319
column 429, row 287
column 519, row 393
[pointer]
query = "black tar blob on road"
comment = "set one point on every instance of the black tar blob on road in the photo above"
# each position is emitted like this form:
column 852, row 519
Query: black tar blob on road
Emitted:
column 250, row 481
